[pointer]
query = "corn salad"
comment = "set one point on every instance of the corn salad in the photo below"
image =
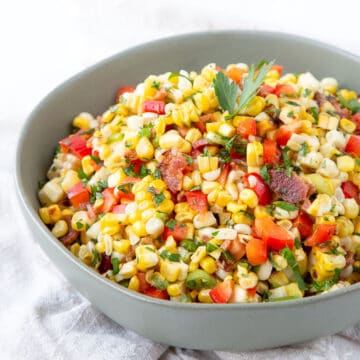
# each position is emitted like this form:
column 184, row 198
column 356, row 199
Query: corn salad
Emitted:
column 231, row 185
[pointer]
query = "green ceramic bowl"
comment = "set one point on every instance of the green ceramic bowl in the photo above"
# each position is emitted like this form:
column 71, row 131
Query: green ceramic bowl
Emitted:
column 198, row 326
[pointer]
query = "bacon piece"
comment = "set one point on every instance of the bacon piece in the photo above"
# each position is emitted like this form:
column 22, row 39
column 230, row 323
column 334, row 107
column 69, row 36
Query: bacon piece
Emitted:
column 292, row 188
column 72, row 234
column 321, row 99
column 171, row 169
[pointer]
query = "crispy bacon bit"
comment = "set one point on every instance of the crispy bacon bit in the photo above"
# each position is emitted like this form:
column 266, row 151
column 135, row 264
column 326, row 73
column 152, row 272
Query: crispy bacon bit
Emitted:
column 292, row 189
column 130, row 155
column 72, row 234
column 147, row 240
column 171, row 169
column 321, row 99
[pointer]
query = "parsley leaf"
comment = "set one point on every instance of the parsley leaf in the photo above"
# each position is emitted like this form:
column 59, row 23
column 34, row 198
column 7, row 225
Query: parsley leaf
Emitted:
column 226, row 91
column 264, row 172
column 176, row 74
column 188, row 244
column 143, row 171
column 145, row 131
column 115, row 264
column 129, row 170
column 157, row 174
column 314, row 112
column 158, row 198
column 155, row 85
column 353, row 105
column 289, row 256
column 165, row 254
column 171, row 224
column 304, row 149
column 286, row 206
column 287, row 162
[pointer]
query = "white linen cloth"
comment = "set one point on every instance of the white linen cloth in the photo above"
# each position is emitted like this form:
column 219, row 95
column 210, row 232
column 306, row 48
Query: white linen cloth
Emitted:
column 41, row 315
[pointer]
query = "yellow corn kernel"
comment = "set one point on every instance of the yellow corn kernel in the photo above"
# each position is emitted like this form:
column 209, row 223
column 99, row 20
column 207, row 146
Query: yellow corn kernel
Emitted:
column 144, row 149
column 344, row 226
column 122, row 246
column 260, row 212
column 213, row 126
column 104, row 151
column 196, row 177
column 254, row 154
column 193, row 135
column 351, row 208
column 264, row 126
column 256, row 106
column 140, row 186
column 148, row 214
column 345, row 163
column 134, row 283
column 347, row 94
column 144, row 205
column 51, row 214
column 139, row 228
column 241, row 218
column 204, row 296
column 223, row 198
column 199, row 254
column 208, row 264
column 170, row 244
column 171, row 139
column 107, row 116
column 87, row 165
column 74, row 248
column 327, row 122
column 249, row 197
column 208, row 186
column 142, row 196
column 100, row 246
column 45, row 215
column 158, row 184
column 166, row 206
column 187, row 183
column 212, row 196
column 81, row 122
column 170, row 270
column 182, row 207
column 67, row 212
column 226, row 129
column 135, row 216
column 110, row 223
column 193, row 266
column 238, row 119
column 347, row 125
column 60, row 228
column 70, row 179
column 292, row 289
column 160, row 126
column 146, row 257
column 174, row 289
column 235, row 207
column 207, row 163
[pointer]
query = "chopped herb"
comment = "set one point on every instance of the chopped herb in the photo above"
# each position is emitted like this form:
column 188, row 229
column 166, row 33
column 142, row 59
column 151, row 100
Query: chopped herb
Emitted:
column 224, row 156
column 215, row 233
column 115, row 137
column 297, row 241
column 289, row 256
column 143, row 171
column 195, row 188
column 115, row 264
column 165, row 254
column 159, row 282
column 95, row 190
column 188, row 158
column 290, row 114
column 226, row 90
column 158, row 198
column 57, row 150
column 314, row 113
column 150, row 248
column 83, row 177
column 171, row 224
column 286, row 206
column 96, row 159
column 327, row 284
column 95, row 257
column 307, row 92
column 287, row 162
column 353, row 105
column 230, row 143
column 145, row 131
column 155, row 85
column 270, row 208
column 41, row 184
column 129, row 170
column 264, row 172
column 228, row 255
column 293, row 103
column 304, row 149
column 210, row 247
column 125, row 188
column 176, row 74
column 79, row 225
column 206, row 152
column 157, row 174
column 189, row 245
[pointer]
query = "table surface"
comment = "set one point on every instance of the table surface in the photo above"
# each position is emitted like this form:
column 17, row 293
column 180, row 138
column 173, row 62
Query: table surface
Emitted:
column 43, row 43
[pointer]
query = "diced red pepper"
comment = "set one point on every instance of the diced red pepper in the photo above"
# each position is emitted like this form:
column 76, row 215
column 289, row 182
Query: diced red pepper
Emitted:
column 256, row 251
column 119, row 209
column 75, row 144
column 110, row 200
column 283, row 134
column 275, row 236
column 200, row 144
column 284, row 89
column 278, row 68
column 353, row 145
column 351, row 191
column 304, row 224
column 178, row 231
column 255, row 182
column 154, row 106
column 224, row 174
column 221, row 293
column 123, row 90
column 144, row 285
column 203, row 120
column 265, row 90
column 247, row 127
column 156, row 293
column 78, row 195
column 236, row 74
column 322, row 233
column 197, row 200
column 271, row 154
column 251, row 292
column 356, row 119
column 123, row 194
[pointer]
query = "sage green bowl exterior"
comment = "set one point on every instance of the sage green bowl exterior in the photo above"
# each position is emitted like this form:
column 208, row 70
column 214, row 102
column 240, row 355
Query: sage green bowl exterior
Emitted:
column 232, row 327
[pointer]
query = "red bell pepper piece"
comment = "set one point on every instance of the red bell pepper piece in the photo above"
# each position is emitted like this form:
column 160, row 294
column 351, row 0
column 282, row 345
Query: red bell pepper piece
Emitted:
column 224, row 174
column 110, row 200
column 154, row 106
column 235, row 247
column 197, row 200
column 156, row 293
column 222, row 292
column 356, row 119
column 351, row 191
column 353, row 145
column 251, row 292
column 256, row 251
column 322, row 233
column 123, row 90
column 275, row 236
column 271, row 154
column 283, row 134
column 75, row 144
column 247, row 127
column 178, row 231
column 78, row 195
column 255, row 182
column 284, row 89
column 265, row 90
column 304, row 224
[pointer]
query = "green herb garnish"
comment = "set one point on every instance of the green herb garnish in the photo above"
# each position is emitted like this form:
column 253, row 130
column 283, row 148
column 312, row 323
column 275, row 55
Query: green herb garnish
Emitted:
column 264, row 172
column 171, row 224
column 289, row 256
column 304, row 149
column 145, row 131
column 158, row 198
column 115, row 264
column 353, row 105
column 286, row 206
column 176, row 74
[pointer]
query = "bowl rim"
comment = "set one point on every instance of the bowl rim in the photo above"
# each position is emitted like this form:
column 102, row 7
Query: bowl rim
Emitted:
column 32, row 214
